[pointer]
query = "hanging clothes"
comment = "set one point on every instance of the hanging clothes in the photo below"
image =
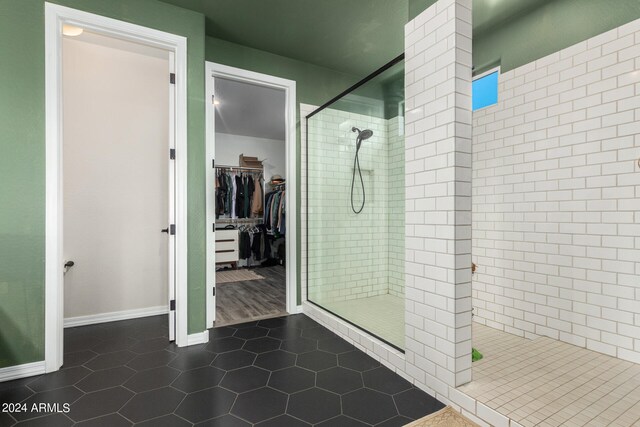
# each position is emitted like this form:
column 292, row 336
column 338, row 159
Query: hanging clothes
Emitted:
column 227, row 207
column 244, row 245
column 282, row 213
column 245, row 196
column 274, row 210
column 238, row 195
column 234, row 213
column 256, row 202
column 274, row 216
column 249, row 196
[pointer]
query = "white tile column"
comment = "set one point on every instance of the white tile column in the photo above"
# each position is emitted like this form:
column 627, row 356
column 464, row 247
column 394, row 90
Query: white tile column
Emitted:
column 438, row 195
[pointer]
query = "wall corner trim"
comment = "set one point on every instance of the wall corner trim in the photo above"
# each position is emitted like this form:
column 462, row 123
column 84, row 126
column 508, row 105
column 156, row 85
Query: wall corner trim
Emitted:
column 22, row 371
column 199, row 338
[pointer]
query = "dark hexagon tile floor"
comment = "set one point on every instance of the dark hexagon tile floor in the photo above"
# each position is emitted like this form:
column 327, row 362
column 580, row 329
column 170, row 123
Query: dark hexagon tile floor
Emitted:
column 281, row 372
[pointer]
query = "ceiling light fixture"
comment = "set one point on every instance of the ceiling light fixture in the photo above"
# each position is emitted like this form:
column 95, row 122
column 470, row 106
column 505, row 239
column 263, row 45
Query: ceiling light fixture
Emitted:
column 71, row 30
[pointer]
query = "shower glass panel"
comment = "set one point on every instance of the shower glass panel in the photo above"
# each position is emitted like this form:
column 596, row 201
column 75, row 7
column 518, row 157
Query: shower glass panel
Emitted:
column 355, row 205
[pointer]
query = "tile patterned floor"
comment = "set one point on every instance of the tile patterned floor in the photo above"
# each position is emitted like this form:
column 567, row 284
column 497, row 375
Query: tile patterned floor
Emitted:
column 544, row 382
column 382, row 315
column 282, row 372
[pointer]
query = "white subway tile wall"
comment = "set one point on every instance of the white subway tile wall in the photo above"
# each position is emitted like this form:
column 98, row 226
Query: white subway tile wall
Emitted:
column 438, row 196
column 556, row 198
column 354, row 256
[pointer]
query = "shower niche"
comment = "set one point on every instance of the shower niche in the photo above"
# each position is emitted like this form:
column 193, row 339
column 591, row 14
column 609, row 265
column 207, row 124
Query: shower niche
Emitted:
column 355, row 198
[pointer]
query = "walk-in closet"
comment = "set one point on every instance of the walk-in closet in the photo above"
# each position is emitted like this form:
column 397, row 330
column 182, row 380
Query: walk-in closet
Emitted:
column 250, row 187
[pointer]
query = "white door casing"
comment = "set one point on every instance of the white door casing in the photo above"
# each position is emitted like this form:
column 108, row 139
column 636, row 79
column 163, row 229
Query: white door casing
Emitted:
column 213, row 70
column 210, row 155
column 55, row 17
column 172, row 199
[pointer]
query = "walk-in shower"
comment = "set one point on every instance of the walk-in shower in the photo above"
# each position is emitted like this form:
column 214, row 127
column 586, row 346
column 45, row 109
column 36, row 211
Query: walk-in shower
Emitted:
column 355, row 205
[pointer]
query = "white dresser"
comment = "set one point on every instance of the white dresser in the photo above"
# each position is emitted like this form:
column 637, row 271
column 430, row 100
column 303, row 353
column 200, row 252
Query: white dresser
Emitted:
column 227, row 247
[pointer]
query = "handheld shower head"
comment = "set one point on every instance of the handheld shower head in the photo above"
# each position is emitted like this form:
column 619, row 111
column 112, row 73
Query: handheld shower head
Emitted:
column 362, row 135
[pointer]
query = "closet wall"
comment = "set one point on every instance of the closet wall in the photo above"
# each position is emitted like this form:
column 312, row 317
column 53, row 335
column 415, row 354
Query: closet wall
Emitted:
column 273, row 152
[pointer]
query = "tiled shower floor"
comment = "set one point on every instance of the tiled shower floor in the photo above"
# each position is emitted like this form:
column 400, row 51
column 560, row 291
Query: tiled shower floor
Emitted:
column 382, row 315
column 544, row 382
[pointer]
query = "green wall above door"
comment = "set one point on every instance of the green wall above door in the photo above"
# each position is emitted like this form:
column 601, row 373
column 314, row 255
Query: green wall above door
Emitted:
column 551, row 27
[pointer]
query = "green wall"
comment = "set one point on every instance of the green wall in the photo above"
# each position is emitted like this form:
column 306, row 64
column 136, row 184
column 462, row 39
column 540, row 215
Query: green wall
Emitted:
column 416, row 7
column 551, row 27
column 314, row 85
column 22, row 170
column 22, row 177
column 538, row 32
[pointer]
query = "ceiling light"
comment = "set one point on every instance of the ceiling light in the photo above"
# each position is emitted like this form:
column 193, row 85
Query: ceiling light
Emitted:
column 71, row 30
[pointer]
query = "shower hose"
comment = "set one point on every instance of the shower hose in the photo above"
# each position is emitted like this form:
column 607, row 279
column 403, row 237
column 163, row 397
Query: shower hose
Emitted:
column 356, row 162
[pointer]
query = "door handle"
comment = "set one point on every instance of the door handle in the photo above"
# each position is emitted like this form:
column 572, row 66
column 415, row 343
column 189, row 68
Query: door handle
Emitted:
column 67, row 266
column 164, row 230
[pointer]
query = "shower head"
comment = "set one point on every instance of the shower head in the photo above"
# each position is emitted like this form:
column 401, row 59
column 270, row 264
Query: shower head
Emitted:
column 364, row 134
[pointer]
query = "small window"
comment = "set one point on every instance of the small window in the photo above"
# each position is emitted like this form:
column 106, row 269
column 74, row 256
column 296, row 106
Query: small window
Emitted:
column 484, row 90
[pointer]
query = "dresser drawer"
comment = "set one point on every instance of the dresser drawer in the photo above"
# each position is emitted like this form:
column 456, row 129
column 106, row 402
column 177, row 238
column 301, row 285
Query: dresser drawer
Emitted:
column 227, row 246
column 226, row 235
column 223, row 245
column 224, row 256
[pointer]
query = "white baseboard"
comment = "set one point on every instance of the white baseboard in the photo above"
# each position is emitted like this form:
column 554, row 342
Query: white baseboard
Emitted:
column 199, row 338
column 93, row 319
column 299, row 309
column 22, row 371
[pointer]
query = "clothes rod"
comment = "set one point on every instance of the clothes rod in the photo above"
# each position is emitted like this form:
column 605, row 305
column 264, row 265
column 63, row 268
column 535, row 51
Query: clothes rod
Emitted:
column 239, row 168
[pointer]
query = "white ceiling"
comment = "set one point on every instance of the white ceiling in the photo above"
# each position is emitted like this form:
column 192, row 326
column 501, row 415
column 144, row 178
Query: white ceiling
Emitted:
column 249, row 110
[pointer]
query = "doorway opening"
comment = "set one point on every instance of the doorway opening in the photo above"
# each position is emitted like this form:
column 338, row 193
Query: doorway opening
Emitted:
column 251, row 196
column 115, row 100
column 115, row 187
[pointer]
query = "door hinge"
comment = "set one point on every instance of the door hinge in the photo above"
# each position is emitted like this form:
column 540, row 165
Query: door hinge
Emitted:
column 172, row 78
column 172, row 153
column 213, row 163
column 172, row 305
column 172, row 229
column 213, row 226
column 214, row 291
column 213, row 99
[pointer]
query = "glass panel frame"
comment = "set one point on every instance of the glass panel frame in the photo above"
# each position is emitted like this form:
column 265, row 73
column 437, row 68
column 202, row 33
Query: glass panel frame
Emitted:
column 400, row 111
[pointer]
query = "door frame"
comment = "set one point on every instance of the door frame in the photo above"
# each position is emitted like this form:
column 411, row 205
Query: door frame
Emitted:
column 55, row 17
column 213, row 70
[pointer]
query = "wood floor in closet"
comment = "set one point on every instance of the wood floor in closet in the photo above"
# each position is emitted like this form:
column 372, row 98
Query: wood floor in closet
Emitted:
column 238, row 302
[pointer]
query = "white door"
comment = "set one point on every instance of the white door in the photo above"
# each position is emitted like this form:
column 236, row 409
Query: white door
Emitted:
column 118, row 180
